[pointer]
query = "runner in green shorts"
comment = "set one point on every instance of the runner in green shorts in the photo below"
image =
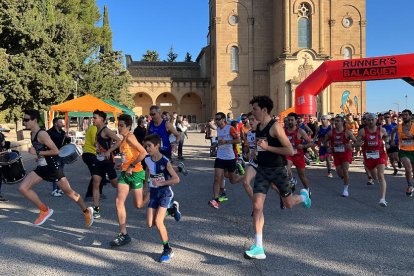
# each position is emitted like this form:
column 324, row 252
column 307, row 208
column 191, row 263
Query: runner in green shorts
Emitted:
column 131, row 179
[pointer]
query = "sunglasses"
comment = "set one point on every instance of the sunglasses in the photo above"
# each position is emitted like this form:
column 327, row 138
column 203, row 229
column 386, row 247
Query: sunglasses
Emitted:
column 26, row 119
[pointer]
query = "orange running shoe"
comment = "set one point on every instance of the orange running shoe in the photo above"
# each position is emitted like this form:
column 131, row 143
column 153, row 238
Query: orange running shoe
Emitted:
column 43, row 216
column 88, row 217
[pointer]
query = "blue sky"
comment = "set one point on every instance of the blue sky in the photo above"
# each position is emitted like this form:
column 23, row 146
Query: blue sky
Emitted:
column 138, row 25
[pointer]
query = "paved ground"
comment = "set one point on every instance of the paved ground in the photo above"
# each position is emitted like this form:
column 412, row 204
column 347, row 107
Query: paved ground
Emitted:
column 336, row 236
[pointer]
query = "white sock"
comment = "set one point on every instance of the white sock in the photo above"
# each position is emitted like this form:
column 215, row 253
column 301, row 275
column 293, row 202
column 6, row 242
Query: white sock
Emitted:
column 259, row 240
column 345, row 187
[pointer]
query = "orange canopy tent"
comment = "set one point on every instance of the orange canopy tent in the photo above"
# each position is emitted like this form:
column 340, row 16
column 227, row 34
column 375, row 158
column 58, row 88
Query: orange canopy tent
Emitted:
column 87, row 103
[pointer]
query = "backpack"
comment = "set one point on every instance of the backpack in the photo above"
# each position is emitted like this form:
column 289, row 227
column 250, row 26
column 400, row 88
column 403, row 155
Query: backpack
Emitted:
column 208, row 132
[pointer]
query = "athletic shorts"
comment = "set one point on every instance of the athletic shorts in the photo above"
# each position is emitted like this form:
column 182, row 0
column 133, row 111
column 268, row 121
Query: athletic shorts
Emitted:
column 406, row 154
column 49, row 173
column 341, row 157
column 372, row 163
column 266, row 176
column 135, row 180
column 298, row 160
column 105, row 167
column 160, row 197
column 323, row 152
column 228, row 165
column 393, row 149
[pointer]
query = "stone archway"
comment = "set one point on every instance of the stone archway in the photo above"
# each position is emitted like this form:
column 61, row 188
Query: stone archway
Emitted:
column 143, row 102
column 192, row 106
column 167, row 102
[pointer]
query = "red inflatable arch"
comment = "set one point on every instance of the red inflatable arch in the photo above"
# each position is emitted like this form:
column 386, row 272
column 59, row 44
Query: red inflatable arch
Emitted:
column 363, row 69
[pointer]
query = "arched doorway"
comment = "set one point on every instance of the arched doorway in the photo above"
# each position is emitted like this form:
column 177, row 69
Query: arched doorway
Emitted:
column 191, row 106
column 143, row 103
column 363, row 69
column 167, row 102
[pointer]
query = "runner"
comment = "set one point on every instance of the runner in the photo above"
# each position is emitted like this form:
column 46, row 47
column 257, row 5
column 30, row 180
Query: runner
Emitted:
column 372, row 139
column 47, row 169
column 226, row 157
column 132, row 177
column 406, row 143
column 323, row 129
column 338, row 141
column 161, row 176
column 392, row 151
column 105, row 157
column 272, row 147
column 297, row 137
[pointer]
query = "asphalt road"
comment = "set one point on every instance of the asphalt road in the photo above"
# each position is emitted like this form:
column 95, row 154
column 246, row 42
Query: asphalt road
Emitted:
column 336, row 236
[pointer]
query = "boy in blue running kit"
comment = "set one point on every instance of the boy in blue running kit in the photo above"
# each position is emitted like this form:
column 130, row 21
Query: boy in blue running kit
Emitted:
column 159, row 175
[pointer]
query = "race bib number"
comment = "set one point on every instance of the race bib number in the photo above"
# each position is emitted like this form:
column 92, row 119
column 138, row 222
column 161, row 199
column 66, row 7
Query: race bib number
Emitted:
column 339, row 149
column 156, row 178
column 41, row 162
column 372, row 154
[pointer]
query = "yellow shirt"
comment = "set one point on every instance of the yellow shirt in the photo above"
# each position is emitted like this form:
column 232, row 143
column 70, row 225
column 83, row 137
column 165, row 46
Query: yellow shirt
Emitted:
column 90, row 138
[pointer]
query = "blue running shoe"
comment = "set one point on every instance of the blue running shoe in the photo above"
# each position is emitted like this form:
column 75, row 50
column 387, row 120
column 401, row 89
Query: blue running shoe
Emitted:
column 177, row 213
column 166, row 255
column 308, row 202
column 255, row 252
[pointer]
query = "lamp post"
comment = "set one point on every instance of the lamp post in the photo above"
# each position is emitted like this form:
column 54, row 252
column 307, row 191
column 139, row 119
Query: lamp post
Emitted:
column 406, row 98
column 398, row 107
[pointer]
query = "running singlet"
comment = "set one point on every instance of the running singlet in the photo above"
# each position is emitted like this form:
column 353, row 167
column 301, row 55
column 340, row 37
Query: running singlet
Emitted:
column 130, row 154
column 322, row 133
column 293, row 138
column 157, row 170
column 269, row 159
column 44, row 160
column 389, row 129
column 339, row 141
column 226, row 151
column 373, row 145
column 161, row 130
column 406, row 142
column 102, row 146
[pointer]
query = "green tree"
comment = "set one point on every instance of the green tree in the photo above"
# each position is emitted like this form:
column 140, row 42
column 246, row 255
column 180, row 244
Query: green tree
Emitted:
column 150, row 55
column 171, row 55
column 188, row 57
column 106, row 33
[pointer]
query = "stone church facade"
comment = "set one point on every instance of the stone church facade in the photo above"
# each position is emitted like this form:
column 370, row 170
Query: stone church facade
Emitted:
column 265, row 47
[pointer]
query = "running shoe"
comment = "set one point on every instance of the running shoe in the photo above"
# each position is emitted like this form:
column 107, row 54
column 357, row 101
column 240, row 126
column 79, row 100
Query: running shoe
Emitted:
column 255, row 252
column 345, row 193
column 89, row 217
column 213, row 203
column 240, row 169
column 223, row 197
column 166, row 255
column 177, row 213
column 308, row 202
column 56, row 193
column 96, row 213
column 121, row 239
column 60, row 191
column 307, row 161
column 383, row 203
column 317, row 161
column 43, row 216
column 395, row 173
column 370, row 182
column 409, row 191
column 182, row 168
column 3, row 199
column 399, row 164
column 330, row 175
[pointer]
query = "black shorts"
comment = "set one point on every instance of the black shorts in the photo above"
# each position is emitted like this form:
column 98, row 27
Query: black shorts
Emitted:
column 105, row 167
column 266, row 176
column 90, row 160
column 393, row 149
column 228, row 165
column 49, row 173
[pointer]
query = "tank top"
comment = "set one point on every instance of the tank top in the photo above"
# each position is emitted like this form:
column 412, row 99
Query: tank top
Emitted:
column 269, row 159
column 226, row 151
column 102, row 146
column 405, row 142
column 322, row 133
column 294, row 140
column 157, row 170
column 130, row 154
column 389, row 129
column 373, row 144
column 161, row 130
column 38, row 146
column 339, row 141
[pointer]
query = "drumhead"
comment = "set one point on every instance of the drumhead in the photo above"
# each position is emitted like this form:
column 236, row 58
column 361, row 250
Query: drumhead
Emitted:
column 67, row 150
column 8, row 157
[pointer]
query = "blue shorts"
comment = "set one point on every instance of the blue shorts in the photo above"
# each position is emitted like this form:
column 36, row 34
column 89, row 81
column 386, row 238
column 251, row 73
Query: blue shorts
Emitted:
column 323, row 152
column 160, row 197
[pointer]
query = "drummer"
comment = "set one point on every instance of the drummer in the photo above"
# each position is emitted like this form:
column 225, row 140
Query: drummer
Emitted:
column 4, row 145
column 47, row 169
column 60, row 138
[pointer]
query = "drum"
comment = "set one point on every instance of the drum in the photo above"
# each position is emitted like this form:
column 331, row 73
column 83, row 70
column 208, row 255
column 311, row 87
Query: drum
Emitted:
column 11, row 167
column 69, row 153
